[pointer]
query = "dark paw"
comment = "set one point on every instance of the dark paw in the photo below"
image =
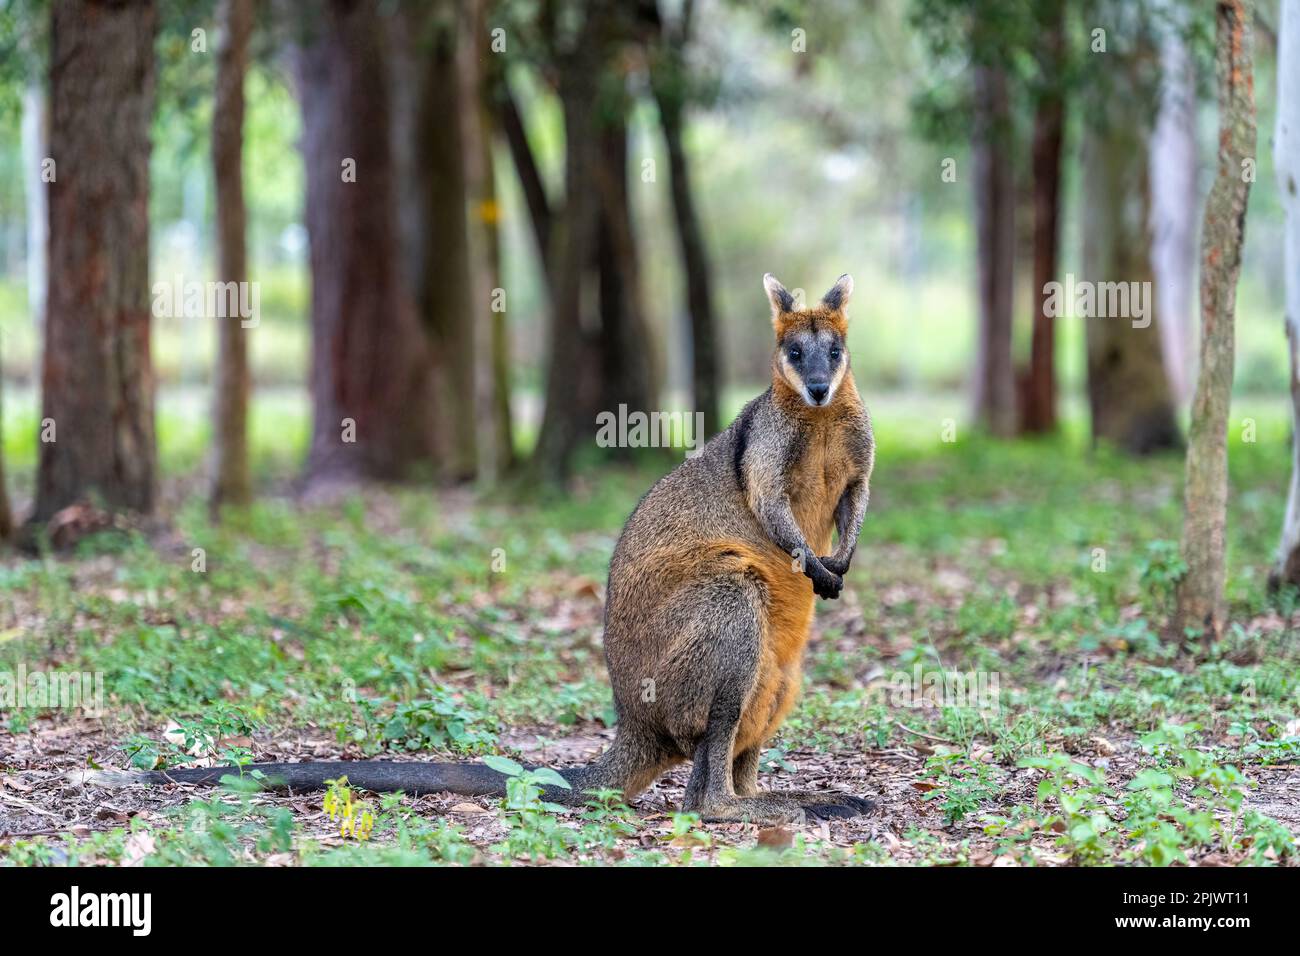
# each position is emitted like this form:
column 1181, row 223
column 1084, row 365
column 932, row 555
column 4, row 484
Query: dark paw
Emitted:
column 844, row 808
column 836, row 565
column 826, row 584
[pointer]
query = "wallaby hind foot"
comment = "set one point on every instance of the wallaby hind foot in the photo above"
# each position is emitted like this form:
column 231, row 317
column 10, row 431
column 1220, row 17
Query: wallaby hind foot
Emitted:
column 816, row 805
column 776, row 808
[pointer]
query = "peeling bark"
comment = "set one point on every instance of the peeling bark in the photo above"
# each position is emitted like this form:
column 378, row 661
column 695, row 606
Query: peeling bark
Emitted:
column 1200, row 593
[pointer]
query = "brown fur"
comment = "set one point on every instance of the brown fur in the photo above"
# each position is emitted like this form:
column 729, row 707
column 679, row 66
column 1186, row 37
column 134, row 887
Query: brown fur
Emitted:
column 697, row 561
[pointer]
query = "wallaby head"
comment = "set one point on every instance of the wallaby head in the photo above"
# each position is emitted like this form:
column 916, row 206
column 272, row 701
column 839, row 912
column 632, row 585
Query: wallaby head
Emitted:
column 811, row 356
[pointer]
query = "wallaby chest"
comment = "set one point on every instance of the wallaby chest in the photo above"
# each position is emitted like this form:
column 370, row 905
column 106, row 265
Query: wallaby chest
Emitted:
column 817, row 479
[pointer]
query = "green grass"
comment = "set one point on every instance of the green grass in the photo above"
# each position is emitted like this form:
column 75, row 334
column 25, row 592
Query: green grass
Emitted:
column 381, row 627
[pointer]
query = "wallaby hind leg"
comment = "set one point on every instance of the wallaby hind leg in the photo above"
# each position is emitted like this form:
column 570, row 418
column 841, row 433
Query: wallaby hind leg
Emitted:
column 720, row 800
column 708, row 684
column 744, row 772
column 711, row 791
column 821, row 805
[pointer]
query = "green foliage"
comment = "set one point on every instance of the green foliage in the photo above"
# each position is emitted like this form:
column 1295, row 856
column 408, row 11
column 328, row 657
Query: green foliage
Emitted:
column 1159, row 572
column 206, row 734
column 1077, row 790
column 963, row 785
column 438, row 721
column 1188, row 801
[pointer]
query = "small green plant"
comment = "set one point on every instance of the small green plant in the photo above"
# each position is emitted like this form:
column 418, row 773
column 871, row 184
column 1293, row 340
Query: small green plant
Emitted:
column 608, row 818
column 438, row 721
column 1079, row 792
column 208, row 734
column 1269, row 752
column 1267, row 839
column 1159, row 572
column 687, row 835
column 356, row 818
column 963, row 785
column 533, row 829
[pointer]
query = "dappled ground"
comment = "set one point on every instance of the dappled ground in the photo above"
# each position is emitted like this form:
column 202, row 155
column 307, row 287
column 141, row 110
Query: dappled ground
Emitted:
column 423, row 626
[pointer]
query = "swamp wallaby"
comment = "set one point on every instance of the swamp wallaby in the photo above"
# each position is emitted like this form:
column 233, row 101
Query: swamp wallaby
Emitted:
column 710, row 598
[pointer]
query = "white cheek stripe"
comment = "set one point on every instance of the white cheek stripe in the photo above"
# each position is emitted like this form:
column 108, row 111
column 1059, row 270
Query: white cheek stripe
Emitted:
column 835, row 382
column 792, row 377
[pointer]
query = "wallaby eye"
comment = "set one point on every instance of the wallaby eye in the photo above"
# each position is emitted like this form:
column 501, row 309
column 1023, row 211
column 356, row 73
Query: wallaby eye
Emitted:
column 835, row 355
column 795, row 355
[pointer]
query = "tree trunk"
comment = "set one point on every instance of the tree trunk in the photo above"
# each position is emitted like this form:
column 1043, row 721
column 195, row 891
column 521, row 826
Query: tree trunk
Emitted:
column 1174, row 199
column 668, row 78
column 97, row 382
column 628, row 364
column 1039, row 412
column 994, row 187
column 1200, row 594
column 369, row 360
column 443, row 292
column 530, row 177
column 6, row 515
column 35, row 147
column 1128, row 390
column 572, row 380
column 1286, row 164
column 231, row 480
column 587, row 352
column 492, row 343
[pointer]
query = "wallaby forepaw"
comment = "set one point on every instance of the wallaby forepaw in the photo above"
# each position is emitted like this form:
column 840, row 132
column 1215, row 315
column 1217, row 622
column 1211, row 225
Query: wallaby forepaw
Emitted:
column 827, row 584
column 827, row 592
column 836, row 565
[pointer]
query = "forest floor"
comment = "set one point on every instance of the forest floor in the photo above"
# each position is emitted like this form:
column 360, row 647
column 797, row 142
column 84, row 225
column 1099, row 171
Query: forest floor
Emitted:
column 418, row 625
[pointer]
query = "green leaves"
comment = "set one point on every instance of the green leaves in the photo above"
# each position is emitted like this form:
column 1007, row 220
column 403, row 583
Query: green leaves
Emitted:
column 504, row 765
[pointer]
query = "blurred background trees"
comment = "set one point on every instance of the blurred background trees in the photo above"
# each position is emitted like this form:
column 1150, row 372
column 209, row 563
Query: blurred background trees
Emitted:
column 475, row 224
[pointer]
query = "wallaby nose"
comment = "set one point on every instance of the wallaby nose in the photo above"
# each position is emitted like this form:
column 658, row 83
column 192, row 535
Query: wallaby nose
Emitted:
column 818, row 392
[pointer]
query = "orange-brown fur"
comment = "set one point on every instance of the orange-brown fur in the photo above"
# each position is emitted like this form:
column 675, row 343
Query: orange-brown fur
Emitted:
column 697, row 560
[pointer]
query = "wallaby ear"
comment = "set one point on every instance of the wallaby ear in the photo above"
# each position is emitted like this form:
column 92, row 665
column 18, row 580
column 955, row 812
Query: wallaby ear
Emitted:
column 838, row 296
column 782, row 301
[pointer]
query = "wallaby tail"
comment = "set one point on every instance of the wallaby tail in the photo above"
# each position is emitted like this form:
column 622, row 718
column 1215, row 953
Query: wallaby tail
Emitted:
column 380, row 776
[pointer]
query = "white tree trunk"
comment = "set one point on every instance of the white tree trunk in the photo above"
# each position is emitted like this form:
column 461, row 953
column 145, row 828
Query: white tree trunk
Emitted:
column 35, row 147
column 1174, row 208
column 1286, row 164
